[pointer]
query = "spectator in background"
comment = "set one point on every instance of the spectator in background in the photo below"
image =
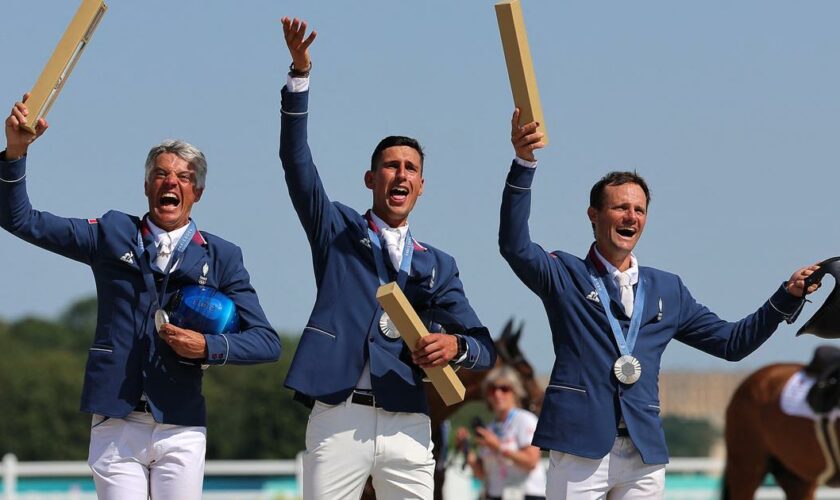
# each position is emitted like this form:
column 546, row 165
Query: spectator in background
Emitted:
column 507, row 462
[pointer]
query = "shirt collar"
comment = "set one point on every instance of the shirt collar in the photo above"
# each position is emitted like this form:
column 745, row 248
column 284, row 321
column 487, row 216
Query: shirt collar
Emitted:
column 613, row 271
column 158, row 233
column 383, row 226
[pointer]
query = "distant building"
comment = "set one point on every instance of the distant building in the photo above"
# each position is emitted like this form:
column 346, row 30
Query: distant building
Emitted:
column 698, row 395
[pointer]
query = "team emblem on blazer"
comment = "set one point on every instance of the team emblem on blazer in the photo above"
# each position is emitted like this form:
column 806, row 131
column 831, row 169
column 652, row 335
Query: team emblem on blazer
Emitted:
column 387, row 327
column 202, row 280
column 593, row 296
column 128, row 258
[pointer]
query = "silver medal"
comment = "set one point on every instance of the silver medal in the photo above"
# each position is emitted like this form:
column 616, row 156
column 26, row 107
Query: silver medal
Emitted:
column 387, row 327
column 627, row 369
column 161, row 318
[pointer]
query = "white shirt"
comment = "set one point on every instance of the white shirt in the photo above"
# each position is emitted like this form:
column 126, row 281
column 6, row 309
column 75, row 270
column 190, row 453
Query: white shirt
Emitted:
column 160, row 237
column 401, row 232
column 501, row 473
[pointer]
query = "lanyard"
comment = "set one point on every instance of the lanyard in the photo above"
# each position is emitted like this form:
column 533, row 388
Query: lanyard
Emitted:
column 405, row 265
column 625, row 346
column 148, row 274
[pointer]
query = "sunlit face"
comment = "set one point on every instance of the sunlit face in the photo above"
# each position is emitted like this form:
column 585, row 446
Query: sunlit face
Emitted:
column 396, row 183
column 500, row 397
column 620, row 220
column 171, row 192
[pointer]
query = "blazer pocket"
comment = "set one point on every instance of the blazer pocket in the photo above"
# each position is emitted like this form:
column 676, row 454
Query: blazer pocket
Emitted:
column 319, row 332
column 568, row 387
column 101, row 348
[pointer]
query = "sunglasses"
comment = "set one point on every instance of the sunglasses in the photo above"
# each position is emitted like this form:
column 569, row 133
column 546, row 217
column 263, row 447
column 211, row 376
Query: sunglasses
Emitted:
column 504, row 388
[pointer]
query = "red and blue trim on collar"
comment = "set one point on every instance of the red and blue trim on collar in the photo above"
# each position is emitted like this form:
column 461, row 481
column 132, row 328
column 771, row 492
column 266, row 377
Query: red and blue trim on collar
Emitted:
column 595, row 261
column 372, row 225
column 197, row 238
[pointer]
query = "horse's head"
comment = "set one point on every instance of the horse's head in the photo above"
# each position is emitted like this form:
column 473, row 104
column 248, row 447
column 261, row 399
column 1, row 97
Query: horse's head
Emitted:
column 509, row 354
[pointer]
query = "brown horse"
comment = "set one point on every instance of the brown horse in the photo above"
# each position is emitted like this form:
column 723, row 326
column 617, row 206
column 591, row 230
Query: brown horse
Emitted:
column 760, row 439
column 507, row 353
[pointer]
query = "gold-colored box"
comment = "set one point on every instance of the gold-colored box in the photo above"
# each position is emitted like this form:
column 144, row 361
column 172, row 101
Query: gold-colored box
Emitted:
column 63, row 60
column 411, row 328
column 523, row 80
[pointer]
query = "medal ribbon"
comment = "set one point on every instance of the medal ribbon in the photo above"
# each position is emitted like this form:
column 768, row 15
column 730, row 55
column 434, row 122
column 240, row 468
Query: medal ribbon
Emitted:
column 625, row 346
column 148, row 274
column 405, row 264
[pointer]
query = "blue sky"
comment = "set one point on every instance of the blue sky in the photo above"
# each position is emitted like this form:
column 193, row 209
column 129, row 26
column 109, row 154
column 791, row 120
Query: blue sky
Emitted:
column 728, row 109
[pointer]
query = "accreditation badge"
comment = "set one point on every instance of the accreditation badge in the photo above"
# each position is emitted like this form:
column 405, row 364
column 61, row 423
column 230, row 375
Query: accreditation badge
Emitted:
column 627, row 369
column 387, row 327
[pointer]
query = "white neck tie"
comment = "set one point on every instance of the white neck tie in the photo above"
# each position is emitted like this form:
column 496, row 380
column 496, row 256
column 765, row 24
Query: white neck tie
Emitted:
column 164, row 252
column 392, row 244
column 626, row 290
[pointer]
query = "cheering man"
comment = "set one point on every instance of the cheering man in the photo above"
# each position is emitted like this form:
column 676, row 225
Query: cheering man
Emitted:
column 369, row 414
column 610, row 322
column 148, row 433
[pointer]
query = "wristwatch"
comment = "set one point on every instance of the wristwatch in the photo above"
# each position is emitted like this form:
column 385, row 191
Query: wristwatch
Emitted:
column 462, row 347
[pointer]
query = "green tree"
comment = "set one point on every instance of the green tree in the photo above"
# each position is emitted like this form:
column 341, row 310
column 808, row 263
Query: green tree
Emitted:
column 250, row 414
column 689, row 437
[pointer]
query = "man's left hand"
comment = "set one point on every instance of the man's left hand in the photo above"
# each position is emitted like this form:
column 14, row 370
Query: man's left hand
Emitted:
column 435, row 349
column 186, row 343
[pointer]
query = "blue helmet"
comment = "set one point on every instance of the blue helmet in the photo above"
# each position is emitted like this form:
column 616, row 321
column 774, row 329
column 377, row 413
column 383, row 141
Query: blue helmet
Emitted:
column 204, row 310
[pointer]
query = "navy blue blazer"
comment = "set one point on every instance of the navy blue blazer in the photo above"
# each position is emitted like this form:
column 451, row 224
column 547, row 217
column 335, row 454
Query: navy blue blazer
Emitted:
column 343, row 329
column 584, row 400
column 127, row 358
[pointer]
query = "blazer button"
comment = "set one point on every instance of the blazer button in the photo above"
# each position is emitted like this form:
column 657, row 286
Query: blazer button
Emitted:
column 370, row 339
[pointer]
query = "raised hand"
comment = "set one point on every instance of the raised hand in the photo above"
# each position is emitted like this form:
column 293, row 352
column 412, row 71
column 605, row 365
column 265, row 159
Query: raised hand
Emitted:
column 18, row 138
column 796, row 284
column 294, row 31
column 525, row 139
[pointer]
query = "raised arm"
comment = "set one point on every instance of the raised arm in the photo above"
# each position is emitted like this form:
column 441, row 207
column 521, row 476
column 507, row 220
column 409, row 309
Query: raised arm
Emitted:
column 527, row 259
column 73, row 238
column 310, row 200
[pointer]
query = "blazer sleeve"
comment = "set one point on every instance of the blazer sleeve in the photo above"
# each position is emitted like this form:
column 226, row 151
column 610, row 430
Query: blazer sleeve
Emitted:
column 309, row 198
column 256, row 342
column 733, row 341
column 529, row 261
column 73, row 238
column 481, row 351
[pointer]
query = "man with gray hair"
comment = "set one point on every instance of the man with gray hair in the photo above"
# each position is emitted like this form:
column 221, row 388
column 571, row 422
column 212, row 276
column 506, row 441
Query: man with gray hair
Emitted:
column 142, row 382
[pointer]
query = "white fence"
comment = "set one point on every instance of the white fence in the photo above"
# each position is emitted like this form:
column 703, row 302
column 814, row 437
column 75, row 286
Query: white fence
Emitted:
column 12, row 470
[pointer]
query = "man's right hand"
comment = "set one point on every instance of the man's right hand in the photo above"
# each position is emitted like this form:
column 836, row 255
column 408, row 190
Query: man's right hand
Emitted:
column 18, row 138
column 525, row 139
column 294, row 31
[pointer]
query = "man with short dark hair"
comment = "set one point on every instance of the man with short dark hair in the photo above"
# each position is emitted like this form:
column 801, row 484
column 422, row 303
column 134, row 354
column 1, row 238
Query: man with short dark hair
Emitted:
column 365, row 387
column 610, row 322
column 148, row 431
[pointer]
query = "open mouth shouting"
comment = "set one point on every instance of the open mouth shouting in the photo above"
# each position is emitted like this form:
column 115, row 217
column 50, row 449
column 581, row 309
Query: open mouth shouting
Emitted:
column 398, row 195
column 627, row 232
column 169, row 200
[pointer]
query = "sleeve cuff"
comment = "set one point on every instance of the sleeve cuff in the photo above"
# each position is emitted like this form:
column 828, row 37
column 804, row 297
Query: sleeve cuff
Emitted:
column 294, row 103
column 217, row 349
column 520, row 177
column 786, row 304
column 12, row 171
column 525, row 163
column 297, row 84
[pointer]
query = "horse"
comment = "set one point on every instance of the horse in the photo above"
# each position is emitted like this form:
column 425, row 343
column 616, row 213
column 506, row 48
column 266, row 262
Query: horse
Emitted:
column 507, row 353
column 760, row 439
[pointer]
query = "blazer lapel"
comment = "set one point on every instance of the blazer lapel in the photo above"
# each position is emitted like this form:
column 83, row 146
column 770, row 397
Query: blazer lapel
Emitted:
column 192, row 255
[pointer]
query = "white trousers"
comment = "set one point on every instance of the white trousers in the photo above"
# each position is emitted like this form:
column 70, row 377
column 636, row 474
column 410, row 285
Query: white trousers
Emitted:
column 348, row 442
column 136, row 458
column 619, row 475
